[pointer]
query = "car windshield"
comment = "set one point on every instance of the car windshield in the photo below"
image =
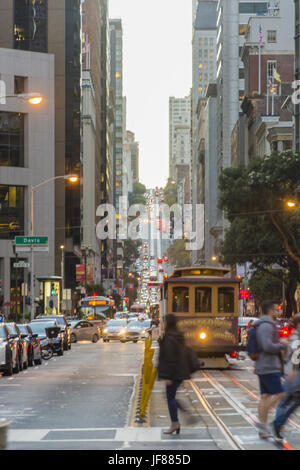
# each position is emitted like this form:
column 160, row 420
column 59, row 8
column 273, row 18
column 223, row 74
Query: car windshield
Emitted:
column 116, row 323
column 58, row 320
column 2, row 332
column 39, row 327
column 23, row 329
column 141, row 324
column 12, row 329
column 73, row 323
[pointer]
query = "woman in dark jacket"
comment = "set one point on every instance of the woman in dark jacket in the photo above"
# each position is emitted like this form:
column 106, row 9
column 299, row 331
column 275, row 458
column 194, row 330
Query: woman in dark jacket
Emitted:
column 173, row 366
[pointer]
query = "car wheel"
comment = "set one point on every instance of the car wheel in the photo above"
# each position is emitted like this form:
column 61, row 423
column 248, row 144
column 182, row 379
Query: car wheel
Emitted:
column 30, row 358
column 135, row 341
column 73, row 338
column 95, row 339
column 122, row 341
column 17, row 368
column 9, row 370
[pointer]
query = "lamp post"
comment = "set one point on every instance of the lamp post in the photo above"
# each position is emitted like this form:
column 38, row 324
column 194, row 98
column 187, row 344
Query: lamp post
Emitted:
column 62, row 274
column 86, row 252
column 32, row 98
column 71, row 178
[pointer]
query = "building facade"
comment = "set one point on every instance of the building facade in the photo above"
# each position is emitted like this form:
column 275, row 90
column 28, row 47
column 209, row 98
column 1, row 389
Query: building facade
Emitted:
column 27, row 157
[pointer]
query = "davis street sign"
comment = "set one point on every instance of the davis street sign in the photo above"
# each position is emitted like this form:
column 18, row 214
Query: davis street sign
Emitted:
column 31, row 241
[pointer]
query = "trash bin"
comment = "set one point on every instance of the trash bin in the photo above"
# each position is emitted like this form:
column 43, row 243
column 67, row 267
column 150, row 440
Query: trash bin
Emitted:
column 4, row 425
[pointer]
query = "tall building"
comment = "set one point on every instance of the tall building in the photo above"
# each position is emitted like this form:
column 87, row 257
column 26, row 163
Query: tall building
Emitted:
column 179, row 134
column 49, row 27
column 204, row 71
column 133, row 147
column 27, row 157
column 297, row 73
column 96, row 186
column 232, row 23
column 116, row 84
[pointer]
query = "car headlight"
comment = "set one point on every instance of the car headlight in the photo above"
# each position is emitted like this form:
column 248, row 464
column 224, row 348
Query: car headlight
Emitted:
column 105, row 331
column 122, row 332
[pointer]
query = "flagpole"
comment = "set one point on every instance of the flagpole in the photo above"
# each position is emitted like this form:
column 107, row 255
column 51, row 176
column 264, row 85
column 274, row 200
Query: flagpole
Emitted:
column 259, row 69
column 268, row 95
column 272, row 96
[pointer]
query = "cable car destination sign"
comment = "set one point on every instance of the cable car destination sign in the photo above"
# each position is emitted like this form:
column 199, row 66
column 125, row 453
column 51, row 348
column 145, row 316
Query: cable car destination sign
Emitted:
column 25, row 244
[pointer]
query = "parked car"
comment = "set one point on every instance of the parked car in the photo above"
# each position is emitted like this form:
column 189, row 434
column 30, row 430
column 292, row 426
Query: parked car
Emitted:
column 65, row 328
column 33, row 344
column 22, row 345
column 9, row 360
column 39, row 327
column 136, row 330
column 114, row 330
column 84, row 330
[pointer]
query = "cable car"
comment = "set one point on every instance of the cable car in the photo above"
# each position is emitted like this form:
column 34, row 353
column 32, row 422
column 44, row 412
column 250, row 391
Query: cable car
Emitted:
column 205, row 302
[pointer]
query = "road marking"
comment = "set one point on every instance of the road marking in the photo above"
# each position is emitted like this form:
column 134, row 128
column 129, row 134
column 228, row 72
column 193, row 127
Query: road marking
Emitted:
column 120, row 435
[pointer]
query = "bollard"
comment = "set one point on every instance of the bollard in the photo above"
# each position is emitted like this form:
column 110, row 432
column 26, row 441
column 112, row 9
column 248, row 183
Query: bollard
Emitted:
column 149, row 375
column 4, row 425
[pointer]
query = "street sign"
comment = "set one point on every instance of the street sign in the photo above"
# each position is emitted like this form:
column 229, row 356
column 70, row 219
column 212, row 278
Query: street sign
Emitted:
column 29, row 241
column 22, row 264
column 27, row 249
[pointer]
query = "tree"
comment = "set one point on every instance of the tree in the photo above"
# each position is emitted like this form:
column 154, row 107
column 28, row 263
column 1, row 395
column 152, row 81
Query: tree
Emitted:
column 266, row 285
column 95, row 289
column 170, row 191
column 178, row 255
column 138, row 194
column 263, row 230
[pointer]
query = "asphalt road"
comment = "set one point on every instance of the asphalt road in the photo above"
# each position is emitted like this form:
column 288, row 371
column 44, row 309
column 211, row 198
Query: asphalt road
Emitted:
column 84, row 395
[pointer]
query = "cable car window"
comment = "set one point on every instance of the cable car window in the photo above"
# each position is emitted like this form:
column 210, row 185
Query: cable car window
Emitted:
column 203, row 300
column 226, row 300
column 180, row 299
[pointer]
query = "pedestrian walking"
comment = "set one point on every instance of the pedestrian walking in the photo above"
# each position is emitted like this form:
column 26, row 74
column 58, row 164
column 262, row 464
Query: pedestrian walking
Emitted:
column 173, row 366
column 291, row 400
column 269, row 364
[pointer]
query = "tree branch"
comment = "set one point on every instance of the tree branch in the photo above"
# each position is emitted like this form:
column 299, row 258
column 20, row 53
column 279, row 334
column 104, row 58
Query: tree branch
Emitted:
column 285, row 240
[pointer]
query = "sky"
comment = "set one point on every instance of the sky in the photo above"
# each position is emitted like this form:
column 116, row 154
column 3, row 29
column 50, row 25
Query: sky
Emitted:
column 157, row 64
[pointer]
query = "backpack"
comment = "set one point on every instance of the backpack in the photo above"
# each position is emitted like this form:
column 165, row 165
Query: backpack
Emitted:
column 252, row 345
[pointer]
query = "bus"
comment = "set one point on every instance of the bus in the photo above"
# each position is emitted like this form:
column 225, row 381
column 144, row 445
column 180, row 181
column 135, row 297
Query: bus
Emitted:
column 205, row 302
column 96, row 308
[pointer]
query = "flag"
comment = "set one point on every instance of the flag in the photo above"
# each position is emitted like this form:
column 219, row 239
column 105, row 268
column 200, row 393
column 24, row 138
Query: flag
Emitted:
column 261, row 36
column 276, row 75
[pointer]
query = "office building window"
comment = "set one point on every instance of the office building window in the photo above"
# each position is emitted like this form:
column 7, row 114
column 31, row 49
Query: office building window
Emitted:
column 11, row 139
column 11, row 212
column 253, row 8
column 272, row 36
column 272, row 64
column 31, row 25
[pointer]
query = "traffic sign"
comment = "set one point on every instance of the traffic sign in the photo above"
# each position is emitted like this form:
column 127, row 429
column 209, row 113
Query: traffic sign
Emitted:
column 22, row 264
column 31, row 241
column 27, row 249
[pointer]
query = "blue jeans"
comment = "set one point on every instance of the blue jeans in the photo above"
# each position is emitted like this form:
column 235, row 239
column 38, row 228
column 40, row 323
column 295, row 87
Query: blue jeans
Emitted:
column 287, row 405
column 173, row 405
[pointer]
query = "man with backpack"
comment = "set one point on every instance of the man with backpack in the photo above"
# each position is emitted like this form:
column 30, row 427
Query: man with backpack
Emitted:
column 268, row 365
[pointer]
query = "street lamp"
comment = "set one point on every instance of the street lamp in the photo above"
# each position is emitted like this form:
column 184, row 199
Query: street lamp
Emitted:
column 71, row 178
column 32, row 98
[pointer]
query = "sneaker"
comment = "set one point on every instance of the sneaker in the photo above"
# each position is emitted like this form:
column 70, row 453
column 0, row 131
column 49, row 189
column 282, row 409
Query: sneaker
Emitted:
column 276, row 431
column 263, row 431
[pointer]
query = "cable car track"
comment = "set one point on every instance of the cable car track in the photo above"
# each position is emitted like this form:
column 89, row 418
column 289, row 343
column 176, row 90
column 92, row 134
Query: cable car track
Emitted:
column 236, row 405
column 230, row 438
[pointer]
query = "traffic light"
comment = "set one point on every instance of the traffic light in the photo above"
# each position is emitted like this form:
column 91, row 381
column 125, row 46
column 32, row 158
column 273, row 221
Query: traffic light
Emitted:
column 53, row 289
